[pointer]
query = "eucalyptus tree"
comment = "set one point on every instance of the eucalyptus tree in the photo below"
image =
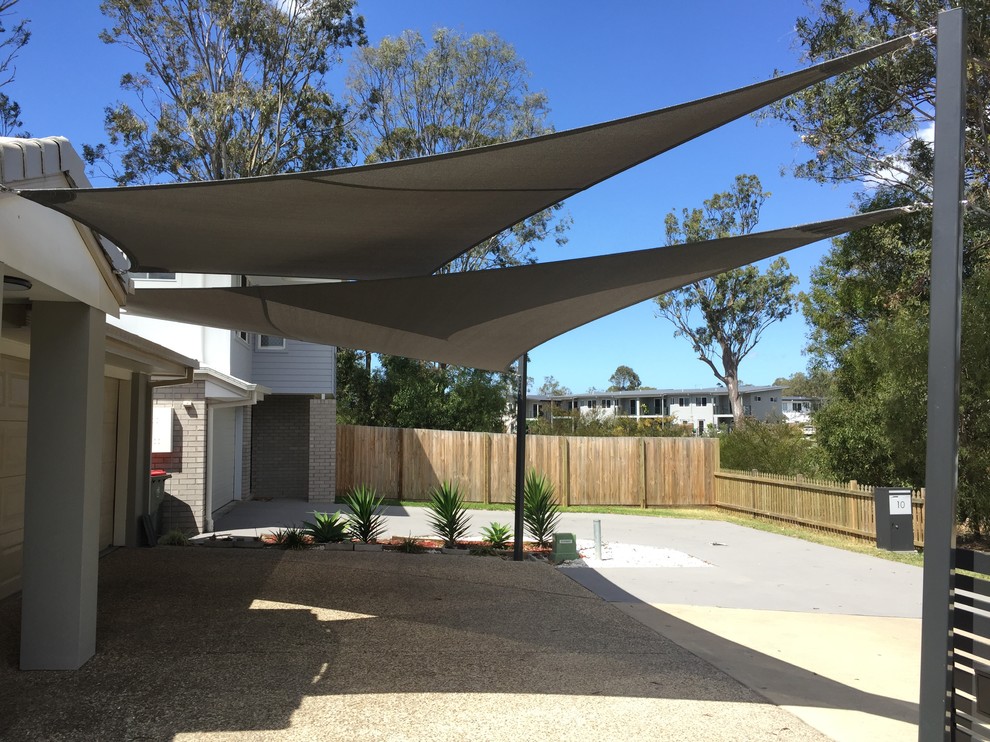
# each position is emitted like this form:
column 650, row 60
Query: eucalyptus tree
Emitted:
column 13, row 37
column 416, row 98
column 724, row 317
column 867, row 308
column 228, row 89
column 624, row 379
column 455, row 92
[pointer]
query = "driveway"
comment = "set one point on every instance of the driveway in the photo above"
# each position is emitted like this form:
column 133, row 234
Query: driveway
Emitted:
column 832, row 636
column 237, row 644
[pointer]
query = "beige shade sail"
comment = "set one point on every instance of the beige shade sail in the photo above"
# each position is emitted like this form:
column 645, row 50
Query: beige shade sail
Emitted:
column 403, row 218
column 481, row 319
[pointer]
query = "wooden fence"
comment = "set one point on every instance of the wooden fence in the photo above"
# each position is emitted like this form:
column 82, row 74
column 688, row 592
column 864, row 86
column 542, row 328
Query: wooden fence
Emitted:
column 638, row 472
column 825, row 506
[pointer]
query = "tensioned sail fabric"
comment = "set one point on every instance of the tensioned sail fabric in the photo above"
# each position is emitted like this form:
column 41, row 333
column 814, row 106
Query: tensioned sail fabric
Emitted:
column 403, row 218
column 481, row 319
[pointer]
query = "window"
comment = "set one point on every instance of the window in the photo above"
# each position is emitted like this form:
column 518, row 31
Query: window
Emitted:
column 592, row 403
column 703, row 402
column 270, row 342
column 608, row 403
column 243, row 336
column 772, row 399
column 153, row 276
column 657, row 407
column 681, row 401
column 759, row 399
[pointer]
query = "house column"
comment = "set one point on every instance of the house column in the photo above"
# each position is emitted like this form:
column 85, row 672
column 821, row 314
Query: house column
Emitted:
column 322, row 450
column 62, row 492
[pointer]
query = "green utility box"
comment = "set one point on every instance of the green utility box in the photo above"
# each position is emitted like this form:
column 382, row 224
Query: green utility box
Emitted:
column 564, row 547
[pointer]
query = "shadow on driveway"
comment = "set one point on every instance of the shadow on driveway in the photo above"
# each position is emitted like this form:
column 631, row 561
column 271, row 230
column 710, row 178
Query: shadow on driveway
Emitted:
column 199, row 643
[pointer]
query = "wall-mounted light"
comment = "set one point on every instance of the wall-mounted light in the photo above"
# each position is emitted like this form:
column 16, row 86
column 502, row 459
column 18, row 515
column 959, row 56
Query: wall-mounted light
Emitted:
column 15, row 283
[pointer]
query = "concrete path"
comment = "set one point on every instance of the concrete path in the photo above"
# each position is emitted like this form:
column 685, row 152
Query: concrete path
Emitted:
column 830, row 635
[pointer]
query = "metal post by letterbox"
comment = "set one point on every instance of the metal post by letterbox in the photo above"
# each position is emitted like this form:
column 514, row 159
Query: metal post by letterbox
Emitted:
column 895, row 530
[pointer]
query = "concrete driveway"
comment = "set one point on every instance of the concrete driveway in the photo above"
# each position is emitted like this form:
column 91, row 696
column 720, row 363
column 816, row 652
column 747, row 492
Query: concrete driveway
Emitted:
column 832, row 636
column 237, row 644
column 777, row 639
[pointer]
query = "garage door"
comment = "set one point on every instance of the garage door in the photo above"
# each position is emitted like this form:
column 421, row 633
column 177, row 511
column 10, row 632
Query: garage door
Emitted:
column 13, row 452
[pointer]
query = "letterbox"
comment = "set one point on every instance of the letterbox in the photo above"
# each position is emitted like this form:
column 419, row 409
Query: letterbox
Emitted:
column 895, row 530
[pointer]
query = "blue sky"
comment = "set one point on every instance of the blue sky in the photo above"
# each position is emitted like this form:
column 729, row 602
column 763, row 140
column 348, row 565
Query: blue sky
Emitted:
column 595, row 62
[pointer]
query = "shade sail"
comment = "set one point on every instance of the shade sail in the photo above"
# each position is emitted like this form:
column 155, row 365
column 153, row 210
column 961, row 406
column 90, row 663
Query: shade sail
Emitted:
column 403, row 218
column 482, row 319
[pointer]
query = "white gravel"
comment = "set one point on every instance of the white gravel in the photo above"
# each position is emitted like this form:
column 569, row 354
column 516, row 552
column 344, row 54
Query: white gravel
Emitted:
column 631, row 555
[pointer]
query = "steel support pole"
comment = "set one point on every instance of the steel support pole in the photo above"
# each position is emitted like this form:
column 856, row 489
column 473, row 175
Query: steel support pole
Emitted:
column 945, row 321
column 517, row 550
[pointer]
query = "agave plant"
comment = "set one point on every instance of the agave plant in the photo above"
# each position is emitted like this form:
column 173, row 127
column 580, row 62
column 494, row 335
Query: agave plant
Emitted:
column 290, row 538
column 448, row 516
column 540, row 510
column 496, row 535
column 364, row 522
column 328, row 527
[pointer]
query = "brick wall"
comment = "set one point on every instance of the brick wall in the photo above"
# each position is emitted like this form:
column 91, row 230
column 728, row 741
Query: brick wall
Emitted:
column 322, row 450
column 280, row 447
column 246, row 493
column 185, row 498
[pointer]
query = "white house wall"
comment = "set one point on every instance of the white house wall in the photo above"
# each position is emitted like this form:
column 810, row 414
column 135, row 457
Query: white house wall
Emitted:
column 241, row 356
column 763, row 404
column 299, row 368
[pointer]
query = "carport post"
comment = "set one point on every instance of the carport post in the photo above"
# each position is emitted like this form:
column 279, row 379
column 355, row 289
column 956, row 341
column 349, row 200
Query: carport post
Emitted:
column 517, row 551
column 62, row 490
column 941, row 468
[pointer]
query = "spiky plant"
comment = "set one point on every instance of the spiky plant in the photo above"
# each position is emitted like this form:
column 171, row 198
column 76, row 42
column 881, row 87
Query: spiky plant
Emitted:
column 327, row 528
column 540, row 510
column 364, row 522
column 496, row 535
column 447, row 515
column 290, row 538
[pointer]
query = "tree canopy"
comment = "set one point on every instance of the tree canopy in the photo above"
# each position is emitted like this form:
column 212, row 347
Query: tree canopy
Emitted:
column 724, row 317
column 815, row 384
column 230, row 88
column 553, row 388
column 13, row 37
column 414, row 99
column 405, row 393
column 418, row 99
column 868, row 303
column 875, row 123
column 624, row 379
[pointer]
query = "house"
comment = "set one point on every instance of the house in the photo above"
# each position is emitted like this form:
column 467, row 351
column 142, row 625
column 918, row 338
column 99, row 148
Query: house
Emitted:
column 699, row 408
column 797, row 411
column 257, row 420
column 75, row 408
